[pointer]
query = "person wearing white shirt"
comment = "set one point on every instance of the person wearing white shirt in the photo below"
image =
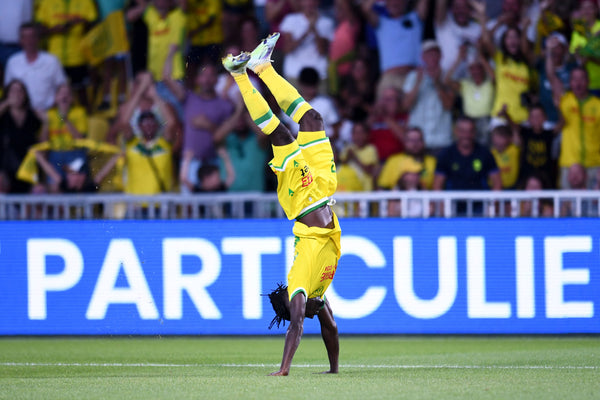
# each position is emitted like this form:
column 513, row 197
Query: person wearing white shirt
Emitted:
column 41, row 72
column 306, row 37
column 453, row 28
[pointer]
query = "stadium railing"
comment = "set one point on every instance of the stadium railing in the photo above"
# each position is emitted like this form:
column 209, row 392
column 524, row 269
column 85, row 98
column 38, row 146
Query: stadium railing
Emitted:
column 418, row 204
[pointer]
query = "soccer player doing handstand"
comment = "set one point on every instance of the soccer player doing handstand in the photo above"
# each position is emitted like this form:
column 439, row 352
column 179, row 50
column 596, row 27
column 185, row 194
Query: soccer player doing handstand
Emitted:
column 306, row 179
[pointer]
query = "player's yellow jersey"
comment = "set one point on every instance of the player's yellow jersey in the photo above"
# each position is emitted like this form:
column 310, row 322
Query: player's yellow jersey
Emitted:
column 305, row 172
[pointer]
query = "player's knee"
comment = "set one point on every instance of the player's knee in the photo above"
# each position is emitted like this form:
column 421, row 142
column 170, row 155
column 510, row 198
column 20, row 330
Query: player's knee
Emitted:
column 311, row 121
column 281, row 136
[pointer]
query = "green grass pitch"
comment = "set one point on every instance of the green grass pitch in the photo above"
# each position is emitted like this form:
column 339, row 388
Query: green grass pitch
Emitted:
column 371, row 367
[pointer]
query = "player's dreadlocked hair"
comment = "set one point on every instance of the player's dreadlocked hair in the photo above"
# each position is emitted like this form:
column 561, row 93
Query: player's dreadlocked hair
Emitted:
column 282, row 313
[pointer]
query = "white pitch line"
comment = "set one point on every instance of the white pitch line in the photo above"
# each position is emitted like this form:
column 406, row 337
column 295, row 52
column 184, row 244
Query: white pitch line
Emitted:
column 364, row 366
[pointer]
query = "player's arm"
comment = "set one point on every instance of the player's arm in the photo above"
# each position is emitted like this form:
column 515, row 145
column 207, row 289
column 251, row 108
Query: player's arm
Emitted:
column 294, row 333
column 136, row 11
column 229, row 124
column 229, row 170
column 329, row 332
column 106, row 168
column 174, row 86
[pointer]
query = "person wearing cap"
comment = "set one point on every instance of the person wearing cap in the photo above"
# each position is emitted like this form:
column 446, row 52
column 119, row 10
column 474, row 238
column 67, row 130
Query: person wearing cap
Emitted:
column 414, row 158
column 429, row 100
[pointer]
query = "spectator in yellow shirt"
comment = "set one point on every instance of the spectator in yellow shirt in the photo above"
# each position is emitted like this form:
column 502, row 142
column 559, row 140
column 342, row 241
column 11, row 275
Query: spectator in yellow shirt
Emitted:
column 513, row 60
column 506, row 154
column 65, row 24
column 586, row 26
column 204, row 31
column 149, row 158
column 166, row 41
column 166, row 27
column 412, row 159
column 64, row 122
column 358, row 161
column 580, row 125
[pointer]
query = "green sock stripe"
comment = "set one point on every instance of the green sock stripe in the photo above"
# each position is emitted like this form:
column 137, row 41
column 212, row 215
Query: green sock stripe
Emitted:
column 265, row 117
column 291, row 110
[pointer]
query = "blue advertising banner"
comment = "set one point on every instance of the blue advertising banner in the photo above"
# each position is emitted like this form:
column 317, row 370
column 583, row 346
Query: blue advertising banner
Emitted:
column 442, row 276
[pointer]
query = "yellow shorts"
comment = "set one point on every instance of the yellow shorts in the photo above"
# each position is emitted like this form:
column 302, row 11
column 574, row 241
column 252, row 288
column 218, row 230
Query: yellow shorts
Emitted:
column 306, row 175
column 316, row 255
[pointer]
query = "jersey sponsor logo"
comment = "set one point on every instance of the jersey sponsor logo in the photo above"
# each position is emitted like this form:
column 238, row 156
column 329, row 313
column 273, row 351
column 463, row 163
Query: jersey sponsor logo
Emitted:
column 329, row 273
column 161, row 32
column 516, row 78
column 307, row 177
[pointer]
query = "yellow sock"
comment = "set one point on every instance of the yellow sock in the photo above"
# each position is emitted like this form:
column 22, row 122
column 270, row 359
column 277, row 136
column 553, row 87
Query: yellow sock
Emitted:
column 257, row 106
column 306, row 138
column 286, row 95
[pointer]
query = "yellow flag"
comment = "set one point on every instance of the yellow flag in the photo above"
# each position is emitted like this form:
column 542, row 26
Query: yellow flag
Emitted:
column 28, row 170
column 106, row 39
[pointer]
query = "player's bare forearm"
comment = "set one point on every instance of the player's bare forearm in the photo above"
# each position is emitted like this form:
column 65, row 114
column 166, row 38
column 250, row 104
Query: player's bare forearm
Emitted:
column 329, row 332
column 293, row 335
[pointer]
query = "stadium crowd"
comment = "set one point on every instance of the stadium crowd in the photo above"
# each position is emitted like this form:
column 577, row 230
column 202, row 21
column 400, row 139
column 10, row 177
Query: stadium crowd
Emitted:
column 130, row 95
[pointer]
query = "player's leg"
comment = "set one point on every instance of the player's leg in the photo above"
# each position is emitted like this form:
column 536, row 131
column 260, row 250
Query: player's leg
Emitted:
column 329, row 332
column 257, row 106
column 311, row 137
column 285, row 94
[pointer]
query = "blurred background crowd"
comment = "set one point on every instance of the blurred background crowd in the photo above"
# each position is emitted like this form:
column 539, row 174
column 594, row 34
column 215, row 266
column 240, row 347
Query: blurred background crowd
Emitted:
column 130, row 95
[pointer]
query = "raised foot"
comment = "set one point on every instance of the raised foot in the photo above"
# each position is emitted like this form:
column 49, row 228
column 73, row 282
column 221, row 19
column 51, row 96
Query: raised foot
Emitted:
column 236, row 64
column 262, row 53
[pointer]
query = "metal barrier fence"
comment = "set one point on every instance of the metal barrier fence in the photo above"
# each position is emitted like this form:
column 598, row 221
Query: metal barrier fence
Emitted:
column 485, row 204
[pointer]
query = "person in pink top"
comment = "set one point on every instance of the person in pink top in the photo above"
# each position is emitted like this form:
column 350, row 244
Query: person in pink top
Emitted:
column 342, row 49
